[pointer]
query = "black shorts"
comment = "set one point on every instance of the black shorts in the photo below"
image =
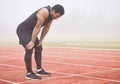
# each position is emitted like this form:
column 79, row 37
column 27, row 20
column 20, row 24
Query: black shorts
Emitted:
column 25, row 37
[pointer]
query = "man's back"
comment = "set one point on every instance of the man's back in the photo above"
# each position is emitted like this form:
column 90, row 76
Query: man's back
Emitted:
column 30, row 22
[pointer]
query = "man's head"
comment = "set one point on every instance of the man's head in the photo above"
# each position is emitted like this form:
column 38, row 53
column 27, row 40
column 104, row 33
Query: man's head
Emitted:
column 57, row 11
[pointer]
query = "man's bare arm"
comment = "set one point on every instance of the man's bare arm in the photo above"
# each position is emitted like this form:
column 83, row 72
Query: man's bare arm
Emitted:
column 44, row 32
column 41, row 16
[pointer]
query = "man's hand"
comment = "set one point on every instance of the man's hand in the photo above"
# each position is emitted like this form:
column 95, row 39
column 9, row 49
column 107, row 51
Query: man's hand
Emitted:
column 40, row 43
column 30, row 45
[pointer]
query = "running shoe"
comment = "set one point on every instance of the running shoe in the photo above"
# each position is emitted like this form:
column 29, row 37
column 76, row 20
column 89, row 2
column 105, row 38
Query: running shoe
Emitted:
column 42, row 72
column 32, row 75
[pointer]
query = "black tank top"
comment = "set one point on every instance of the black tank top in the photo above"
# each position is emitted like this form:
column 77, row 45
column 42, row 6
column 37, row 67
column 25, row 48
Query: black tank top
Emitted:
column 29, row 24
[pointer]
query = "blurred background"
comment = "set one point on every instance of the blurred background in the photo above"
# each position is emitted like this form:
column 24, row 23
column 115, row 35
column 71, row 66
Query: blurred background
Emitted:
column 86, row 23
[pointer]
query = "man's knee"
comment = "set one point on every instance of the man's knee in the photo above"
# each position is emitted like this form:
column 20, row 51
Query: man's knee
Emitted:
column 39, row 49
column 28, row 52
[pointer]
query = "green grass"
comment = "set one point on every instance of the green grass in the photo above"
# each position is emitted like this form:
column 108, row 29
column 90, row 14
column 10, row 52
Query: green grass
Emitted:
column 69, row 43
column 85, row 44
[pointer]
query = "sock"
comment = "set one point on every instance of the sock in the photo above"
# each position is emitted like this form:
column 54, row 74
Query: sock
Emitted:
column 39, row 70
column 28, row 73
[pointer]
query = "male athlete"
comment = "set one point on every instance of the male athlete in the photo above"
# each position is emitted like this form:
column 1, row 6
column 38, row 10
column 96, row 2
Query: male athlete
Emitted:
column 27, row 33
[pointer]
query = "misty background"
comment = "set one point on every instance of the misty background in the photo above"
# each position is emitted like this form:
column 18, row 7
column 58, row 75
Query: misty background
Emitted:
column 84, row 20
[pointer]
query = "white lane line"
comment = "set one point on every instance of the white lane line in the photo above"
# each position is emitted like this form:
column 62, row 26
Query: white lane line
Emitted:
column 45, row 79
column 86, row 58
column 67, row 53
column 77, row 52
column 76, row 64
column 51, row 53
column 21, row 67
column 80, row 75
column 80, row 54
column 100, row 71
column 78, row 58
column 75, row 48
column 83, row 48
column 13, row 57
column 81, row 58
column 50, row 47
column 7, row 81
column 9, row 65
column 98, row 78
column 73, row 64
column 74, row 75
column 61, row 77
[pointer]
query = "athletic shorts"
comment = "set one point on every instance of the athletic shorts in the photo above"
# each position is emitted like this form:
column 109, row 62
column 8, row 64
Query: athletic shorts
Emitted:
column 25, row 37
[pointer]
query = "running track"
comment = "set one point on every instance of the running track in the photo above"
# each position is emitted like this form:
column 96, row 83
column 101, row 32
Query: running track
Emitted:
column 67, row 65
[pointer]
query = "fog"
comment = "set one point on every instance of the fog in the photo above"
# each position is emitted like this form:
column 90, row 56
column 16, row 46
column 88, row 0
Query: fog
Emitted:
column 83, row 19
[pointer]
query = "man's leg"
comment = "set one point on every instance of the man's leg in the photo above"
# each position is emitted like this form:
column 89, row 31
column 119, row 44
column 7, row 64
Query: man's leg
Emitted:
column 28, row 59
column 38, row 56
column 28, row 62
column 38, row 59
column 24, row 38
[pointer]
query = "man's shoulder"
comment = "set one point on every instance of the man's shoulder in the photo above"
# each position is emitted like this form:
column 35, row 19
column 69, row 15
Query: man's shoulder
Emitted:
column 43, row 12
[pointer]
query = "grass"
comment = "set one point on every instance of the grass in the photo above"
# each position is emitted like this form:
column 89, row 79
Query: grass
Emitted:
column 79, row 44
column 85, row 44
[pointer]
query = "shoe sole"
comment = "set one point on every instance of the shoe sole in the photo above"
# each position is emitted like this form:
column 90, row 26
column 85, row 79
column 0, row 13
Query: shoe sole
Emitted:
column 28, row 78
column 42, row 75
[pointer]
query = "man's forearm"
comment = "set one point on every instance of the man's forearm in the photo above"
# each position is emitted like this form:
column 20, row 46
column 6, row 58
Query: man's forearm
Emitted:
column 45, row 31
column 43, row 34
column 34, row 34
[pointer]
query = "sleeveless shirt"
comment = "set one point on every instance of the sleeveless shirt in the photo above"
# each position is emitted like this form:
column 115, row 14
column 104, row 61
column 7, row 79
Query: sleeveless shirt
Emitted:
column 29, row 24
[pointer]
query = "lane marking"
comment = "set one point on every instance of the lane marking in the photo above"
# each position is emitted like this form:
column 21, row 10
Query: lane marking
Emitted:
column 77, row 64
column 71, row 48
column 74, row 53
column 97, row 77
column 114, row 69
column 9, row 65
column 80, row 75
column 44, row 79
column 66, row 63
column 21, row 67
column 83, row 48
column 77, row 48
column 82, row 58
column 7, row 81
column 75, row 75
column 100, row 71
column 86, row 58
column 79, row 53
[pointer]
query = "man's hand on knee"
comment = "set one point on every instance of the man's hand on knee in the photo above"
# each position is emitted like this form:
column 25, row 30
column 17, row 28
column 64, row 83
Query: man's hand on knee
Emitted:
column 30, row 45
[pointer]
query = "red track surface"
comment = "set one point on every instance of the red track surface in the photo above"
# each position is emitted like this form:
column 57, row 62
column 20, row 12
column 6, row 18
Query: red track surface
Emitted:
column 67, row 65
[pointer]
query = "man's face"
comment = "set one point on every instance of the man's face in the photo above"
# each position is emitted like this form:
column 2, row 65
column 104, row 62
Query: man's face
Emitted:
column 55, row 15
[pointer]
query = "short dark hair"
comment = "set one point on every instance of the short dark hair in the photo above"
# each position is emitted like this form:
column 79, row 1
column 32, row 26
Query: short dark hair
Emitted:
column 58, row 8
